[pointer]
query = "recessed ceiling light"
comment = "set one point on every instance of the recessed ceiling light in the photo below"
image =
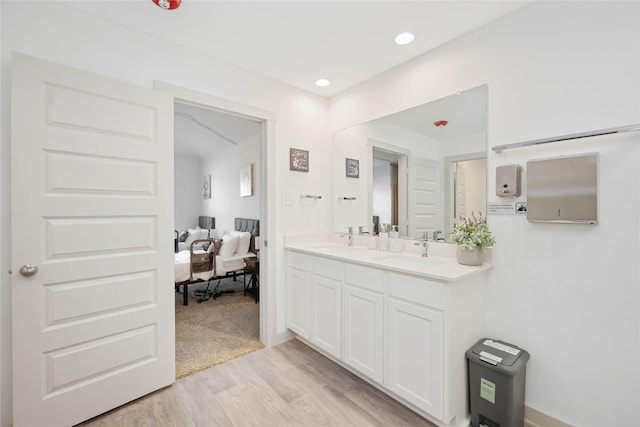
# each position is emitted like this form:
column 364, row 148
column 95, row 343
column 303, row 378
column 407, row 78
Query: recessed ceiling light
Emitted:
column 323, row 82
column 404, row 38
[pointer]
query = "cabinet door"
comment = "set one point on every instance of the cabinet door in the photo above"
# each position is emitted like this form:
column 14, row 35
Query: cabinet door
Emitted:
column 362, row 329
column 416, row 355
column 326, row 318
column 298, row 301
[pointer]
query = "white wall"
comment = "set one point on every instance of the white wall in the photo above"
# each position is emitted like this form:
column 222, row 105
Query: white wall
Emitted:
column 187, row 191
column 225, row 203
column 59, row 33
column 566, row 293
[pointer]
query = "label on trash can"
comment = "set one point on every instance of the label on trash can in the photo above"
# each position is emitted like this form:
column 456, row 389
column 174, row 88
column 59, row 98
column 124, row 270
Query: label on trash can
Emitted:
column 488, row 390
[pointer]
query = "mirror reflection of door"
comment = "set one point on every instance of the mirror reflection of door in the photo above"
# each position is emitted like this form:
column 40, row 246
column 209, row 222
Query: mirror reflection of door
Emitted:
column 385, row 182
column 469, row 183
column 459, row 192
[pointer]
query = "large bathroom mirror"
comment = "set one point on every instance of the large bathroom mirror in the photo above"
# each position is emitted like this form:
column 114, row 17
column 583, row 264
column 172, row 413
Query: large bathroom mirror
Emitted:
column 418, row 170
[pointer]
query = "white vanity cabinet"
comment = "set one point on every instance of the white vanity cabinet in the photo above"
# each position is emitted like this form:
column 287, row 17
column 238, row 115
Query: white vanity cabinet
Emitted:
column 363, row 320
column 403, row 331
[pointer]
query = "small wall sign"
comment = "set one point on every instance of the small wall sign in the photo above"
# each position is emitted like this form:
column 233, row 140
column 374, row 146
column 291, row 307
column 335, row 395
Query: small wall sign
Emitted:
column 298, row 160
column 501, row 208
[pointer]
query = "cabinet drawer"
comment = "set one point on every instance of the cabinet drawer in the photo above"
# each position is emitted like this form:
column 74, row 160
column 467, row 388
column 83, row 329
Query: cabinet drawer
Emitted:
column 299, row 261
column 327, row 267
column 364, row 277
column 419, row 291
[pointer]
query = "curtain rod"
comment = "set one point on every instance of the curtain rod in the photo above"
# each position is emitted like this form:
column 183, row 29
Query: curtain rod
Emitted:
column 620, row 129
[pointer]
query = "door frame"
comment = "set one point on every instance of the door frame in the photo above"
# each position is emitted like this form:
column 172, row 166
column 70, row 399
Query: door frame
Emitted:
column 267, row 204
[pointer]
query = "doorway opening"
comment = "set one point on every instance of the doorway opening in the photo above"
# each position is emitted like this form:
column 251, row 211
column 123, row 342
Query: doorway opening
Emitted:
column 466, row 183
column 218, row 158
column 388, row 202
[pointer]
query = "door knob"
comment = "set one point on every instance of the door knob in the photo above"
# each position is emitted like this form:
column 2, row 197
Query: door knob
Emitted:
column 28, row 270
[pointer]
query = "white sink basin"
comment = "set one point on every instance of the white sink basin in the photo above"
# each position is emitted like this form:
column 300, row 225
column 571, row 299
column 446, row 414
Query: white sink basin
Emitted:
column 336, row 248
column 352, row 251
column 409, row 261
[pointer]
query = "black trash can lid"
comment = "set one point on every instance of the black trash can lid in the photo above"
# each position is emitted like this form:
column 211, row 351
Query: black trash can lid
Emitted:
column 497, row 352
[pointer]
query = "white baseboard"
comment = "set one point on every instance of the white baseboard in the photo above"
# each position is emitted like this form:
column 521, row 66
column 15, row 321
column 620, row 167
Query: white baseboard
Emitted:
column 534, row 418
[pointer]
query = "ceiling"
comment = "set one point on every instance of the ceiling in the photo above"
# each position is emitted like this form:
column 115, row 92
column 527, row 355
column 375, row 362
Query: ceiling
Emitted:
column 465, row 112
column 297, row 42
column 201, row 132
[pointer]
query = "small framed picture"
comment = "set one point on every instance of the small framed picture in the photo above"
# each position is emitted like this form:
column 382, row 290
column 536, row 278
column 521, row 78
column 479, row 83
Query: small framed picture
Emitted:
column 353, row 168
column 298, row 160
column 206, row 187
column 245, row 180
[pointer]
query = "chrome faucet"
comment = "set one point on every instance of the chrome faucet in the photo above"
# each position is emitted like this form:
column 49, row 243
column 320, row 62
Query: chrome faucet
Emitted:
column 350, row 234
column 424, row 242
column 436, row 234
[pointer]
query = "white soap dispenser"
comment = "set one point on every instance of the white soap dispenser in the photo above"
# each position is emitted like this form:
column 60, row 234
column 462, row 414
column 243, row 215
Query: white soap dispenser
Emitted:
column 395, row 243
column 383, row 239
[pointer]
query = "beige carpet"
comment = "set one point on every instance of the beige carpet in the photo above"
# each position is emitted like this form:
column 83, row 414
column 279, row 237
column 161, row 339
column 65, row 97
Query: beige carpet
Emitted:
column 214, row 331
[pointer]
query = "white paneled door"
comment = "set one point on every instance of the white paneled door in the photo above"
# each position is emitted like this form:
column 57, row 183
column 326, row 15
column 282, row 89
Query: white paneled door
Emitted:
column 92, row 257
column 424, row 200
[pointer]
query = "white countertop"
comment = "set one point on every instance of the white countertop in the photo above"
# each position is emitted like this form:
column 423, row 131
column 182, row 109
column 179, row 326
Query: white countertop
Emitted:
column 441, row 263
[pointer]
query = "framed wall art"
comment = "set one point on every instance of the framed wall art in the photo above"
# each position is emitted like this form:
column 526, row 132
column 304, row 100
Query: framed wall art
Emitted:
column 245, row 180
column 353, row 168
column 298, row 160
column 206, row 187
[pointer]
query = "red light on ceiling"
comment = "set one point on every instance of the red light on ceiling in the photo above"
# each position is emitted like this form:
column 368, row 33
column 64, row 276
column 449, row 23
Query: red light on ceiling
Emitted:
column 168, row 4
column 441, row 123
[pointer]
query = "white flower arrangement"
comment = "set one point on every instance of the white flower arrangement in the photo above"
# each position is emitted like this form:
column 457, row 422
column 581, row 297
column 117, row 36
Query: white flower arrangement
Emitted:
column 472, row 232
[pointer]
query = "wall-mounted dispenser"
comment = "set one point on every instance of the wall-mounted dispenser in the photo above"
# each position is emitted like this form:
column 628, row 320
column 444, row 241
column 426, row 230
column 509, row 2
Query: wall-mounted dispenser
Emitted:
column 508, row 179
column 563, row 189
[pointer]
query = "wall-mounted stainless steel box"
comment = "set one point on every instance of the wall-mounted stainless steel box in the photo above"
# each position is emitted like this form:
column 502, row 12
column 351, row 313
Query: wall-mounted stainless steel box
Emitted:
column 508, row 178
column 563, row 189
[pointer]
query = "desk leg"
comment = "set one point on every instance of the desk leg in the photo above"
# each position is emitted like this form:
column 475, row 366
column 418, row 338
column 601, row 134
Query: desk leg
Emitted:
column 185, row 294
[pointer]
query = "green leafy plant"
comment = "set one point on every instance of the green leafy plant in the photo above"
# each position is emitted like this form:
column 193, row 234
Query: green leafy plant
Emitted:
column 472, row 232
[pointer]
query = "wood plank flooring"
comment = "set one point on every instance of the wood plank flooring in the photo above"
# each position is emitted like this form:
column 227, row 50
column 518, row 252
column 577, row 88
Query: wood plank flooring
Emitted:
column 287, row 385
